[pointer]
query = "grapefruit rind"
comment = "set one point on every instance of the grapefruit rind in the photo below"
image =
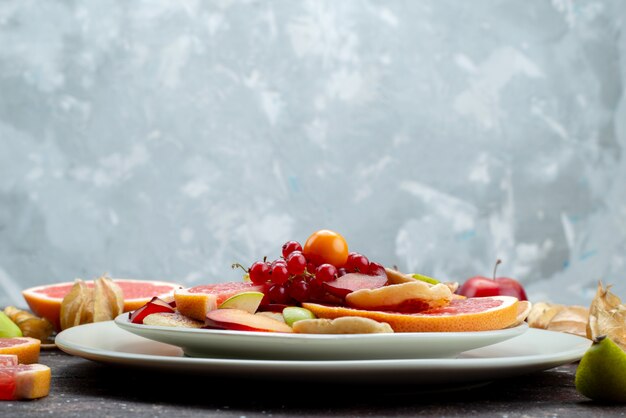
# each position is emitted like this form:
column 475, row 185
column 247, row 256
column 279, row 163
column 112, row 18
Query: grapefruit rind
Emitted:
column 49, row 307
column 495, row 318
column 25, row 348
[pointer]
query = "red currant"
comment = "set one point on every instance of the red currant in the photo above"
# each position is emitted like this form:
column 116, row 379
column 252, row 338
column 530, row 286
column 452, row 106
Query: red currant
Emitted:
column 278, row 294
column 278, row 261
column 341, row 272
column 357, row 263
column 291, row 246
column 326, row 273
column 296, row 263
column 376, row 269
column 317, row 290
column 299, row 289
column 259, row 272
column 279, row 273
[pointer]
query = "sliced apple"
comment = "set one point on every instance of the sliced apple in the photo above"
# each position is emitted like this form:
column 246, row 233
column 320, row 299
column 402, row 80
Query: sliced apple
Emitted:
column 246, row 301
column 293, row 314
column 240, row 320
column 156, row 305
column 351, row 282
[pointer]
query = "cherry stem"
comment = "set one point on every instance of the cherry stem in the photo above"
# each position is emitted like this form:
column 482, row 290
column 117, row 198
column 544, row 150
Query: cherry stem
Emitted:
column 498, row 261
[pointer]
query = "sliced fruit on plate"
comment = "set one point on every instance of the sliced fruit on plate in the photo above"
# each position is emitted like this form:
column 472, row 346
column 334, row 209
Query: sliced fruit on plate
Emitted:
column 342, row 325
column 293, row 314
column 25, row 348
column 247, row 301
column 24, row 381
column 409, row 297
column 469, row 314
column 239, row 320
column 155, row 305
column 196, row 302
column 45, row 301
column 351, row 282
column 171, row 319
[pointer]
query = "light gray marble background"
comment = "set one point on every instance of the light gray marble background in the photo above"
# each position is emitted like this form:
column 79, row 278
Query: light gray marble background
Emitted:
column 168, row 139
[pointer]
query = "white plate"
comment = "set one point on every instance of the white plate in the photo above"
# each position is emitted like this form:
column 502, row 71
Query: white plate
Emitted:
column 285, row 346
column 531, row 351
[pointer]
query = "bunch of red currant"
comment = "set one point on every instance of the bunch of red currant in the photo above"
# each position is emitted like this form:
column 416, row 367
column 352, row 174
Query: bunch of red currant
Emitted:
column 300, row 273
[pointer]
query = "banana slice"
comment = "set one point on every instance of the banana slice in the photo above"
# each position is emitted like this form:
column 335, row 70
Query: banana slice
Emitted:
column 341, row 325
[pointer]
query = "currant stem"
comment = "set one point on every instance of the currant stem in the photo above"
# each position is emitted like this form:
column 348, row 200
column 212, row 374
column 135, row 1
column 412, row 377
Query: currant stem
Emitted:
column 498, row 261
column 237, row 265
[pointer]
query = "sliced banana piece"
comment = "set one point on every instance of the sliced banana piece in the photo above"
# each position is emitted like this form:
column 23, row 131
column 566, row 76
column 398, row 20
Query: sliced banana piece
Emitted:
column 341, row 325
column 171, row 319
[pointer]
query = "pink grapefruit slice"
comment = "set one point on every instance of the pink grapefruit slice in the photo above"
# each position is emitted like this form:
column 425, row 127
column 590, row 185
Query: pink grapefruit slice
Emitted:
column 25, row 348
column 45, row 301
column 196, row 302
column 468, row 314
column 24, row 381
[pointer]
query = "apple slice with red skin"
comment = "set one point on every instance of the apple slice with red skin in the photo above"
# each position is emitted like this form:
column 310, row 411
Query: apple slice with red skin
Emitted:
column 155, row 305
column 240, row 320
column 350, row 282
column 480, row 286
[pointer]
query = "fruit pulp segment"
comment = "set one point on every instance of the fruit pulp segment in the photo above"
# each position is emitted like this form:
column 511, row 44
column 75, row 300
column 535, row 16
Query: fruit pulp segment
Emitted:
column 8, row 360
column 460, row 306
column 7, row 383
column 132, row 290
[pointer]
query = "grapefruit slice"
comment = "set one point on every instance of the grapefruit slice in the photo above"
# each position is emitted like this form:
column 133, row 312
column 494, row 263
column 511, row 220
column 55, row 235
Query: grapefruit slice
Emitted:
column 24, row 381
column 25, row 348
column 195, row 302
column 469, row 314
column 45, row 301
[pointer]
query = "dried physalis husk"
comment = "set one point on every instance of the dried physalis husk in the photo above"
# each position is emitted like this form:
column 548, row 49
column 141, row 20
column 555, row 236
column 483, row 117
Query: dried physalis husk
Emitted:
column 607, row 316
column 30, row 324
column 77, row 305
column 571, row 319
column 108, row 300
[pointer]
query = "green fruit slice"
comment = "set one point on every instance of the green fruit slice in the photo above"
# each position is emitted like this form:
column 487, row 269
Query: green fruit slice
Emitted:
column 293, row 314
column 425, row 278
column 8, row 329
column 246, row 301
column 601, row 373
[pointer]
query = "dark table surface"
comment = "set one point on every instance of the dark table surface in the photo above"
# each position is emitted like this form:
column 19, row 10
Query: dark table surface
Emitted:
column 83, row 388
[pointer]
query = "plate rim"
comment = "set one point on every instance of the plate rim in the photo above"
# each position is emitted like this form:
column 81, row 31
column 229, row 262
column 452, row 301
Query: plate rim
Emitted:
column 200, row 342
column 123, row 322
column 570, row 355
